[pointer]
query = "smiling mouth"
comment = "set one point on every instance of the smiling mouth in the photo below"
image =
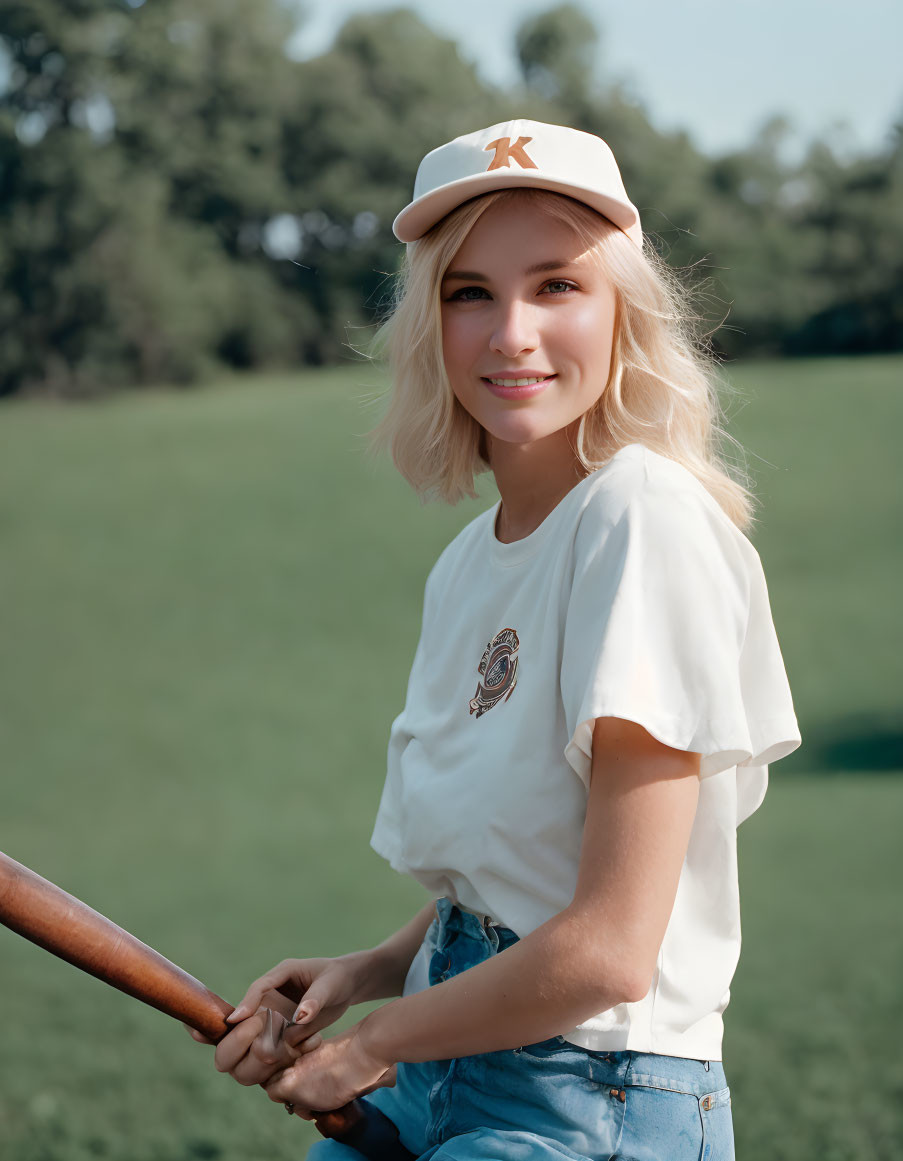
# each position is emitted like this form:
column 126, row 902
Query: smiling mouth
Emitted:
column 518, row 382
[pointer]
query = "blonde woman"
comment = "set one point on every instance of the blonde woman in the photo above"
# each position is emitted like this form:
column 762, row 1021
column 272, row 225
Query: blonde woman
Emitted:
column 594, row 701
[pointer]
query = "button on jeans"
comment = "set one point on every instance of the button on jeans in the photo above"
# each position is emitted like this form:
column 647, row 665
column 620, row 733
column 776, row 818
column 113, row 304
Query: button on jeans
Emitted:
column 549, row 1100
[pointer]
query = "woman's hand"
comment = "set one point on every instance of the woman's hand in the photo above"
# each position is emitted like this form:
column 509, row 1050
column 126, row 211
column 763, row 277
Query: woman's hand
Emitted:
column 257, row 1047
column 325, row 988
column 260, row 1047
column 330, row 1076
column 271, row 999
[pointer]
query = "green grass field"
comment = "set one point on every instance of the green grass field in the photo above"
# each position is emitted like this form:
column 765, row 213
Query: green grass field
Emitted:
column 210, row 601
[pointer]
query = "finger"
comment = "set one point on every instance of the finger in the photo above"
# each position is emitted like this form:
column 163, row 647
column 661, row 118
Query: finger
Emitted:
column 266, row 1042
column 253, row 997
column 250, row 1071
column 306, row 1011
column 300, row 1047
column 195, row 1035
column 270, row 1047
column 279, row 1002
column 297, row 1034
column 280, row 1086
column 250, row 1001
column 323, row 1019
column 232, row 1048
column 305, row 1114
column 317, row 995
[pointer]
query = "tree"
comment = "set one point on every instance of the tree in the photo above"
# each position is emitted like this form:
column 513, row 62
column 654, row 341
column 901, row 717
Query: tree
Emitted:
column 365, row 113
column 134, row 142
column 557, row 51
column 175, row 193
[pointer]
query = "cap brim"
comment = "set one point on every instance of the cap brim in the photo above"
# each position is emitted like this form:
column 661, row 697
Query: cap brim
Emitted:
column 420, row 215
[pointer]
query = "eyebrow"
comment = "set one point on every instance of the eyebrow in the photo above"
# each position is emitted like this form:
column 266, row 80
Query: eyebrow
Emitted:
column 540, row 268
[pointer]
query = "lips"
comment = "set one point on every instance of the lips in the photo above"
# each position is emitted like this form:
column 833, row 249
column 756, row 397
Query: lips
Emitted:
column 518, row 384
column 514, row 378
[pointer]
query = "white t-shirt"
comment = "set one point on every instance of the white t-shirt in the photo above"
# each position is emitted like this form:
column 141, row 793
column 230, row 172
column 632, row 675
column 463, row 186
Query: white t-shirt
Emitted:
column 637, row 597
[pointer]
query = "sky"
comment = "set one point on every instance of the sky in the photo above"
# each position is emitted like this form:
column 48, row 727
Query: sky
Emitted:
column 716, row 68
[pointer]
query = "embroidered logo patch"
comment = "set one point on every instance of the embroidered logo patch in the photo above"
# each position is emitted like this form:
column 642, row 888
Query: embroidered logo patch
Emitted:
column 505, row 153
column 498, row 670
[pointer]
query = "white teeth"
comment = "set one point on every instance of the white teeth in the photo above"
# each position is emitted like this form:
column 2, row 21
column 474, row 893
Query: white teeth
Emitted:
column 518, row 382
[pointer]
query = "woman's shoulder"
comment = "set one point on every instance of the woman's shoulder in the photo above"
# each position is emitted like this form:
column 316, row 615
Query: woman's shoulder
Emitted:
column 635, row 473
column 640, row 490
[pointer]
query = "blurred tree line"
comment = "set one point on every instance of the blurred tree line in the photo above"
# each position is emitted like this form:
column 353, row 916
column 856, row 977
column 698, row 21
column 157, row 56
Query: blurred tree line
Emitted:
column 177, row 194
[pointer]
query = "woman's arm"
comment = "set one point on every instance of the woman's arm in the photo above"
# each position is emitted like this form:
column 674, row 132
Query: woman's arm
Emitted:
column 353, row 978
column 326, row 988
column 601, row 950
column 382, row 969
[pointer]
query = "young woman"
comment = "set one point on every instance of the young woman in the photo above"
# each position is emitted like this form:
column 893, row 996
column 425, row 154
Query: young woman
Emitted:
column 594, row 701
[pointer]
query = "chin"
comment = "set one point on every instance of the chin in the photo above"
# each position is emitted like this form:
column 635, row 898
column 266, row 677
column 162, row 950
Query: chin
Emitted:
column 521, row 428
column 517, row 433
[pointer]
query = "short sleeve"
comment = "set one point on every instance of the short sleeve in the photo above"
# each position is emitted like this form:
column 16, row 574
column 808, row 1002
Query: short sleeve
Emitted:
column 668, row 624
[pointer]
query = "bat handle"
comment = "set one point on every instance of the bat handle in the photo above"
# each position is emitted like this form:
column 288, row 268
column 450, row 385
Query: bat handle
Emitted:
column 43, row 913
column 362, row 1126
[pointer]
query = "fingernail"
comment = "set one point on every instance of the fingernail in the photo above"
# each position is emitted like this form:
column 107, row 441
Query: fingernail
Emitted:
column 238, row 1014
column 300, row 1015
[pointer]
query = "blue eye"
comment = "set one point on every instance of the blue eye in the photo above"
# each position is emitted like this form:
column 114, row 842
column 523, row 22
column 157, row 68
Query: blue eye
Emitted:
column 459, row 295
column 476, row 293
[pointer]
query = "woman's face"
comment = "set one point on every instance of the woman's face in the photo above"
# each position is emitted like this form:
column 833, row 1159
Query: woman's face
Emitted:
column 522, row 300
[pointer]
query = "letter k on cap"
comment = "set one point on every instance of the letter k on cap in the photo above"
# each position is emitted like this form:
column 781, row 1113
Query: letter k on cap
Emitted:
column 560, row 159
column 504, row 151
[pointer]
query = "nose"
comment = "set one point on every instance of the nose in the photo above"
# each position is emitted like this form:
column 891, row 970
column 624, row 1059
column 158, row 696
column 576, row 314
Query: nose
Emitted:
column 514, row 330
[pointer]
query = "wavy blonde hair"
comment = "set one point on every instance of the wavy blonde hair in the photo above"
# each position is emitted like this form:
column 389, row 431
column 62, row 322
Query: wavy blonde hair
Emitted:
column 663, row 387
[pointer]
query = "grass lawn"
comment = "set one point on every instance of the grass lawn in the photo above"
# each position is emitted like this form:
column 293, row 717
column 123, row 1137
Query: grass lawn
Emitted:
column 210, row 601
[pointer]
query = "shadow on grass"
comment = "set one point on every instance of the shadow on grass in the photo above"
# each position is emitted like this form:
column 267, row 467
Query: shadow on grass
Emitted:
column 866, row 741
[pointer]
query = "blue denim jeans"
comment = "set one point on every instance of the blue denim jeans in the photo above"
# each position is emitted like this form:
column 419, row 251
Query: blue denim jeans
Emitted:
column 549, row 1100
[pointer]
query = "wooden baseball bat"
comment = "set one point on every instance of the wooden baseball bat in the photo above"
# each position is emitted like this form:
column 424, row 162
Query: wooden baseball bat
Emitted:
column 70, row 929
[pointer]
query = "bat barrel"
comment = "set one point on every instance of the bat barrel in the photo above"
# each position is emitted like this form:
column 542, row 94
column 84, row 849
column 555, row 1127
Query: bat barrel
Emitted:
column 68, row 928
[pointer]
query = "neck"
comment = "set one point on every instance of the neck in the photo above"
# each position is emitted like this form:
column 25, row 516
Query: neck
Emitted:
column 532, row 478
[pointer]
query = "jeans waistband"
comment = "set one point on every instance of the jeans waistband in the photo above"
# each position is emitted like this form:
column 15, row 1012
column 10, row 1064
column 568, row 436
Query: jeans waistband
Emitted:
column 461, row 938
column 485, row 920
column 454, row 921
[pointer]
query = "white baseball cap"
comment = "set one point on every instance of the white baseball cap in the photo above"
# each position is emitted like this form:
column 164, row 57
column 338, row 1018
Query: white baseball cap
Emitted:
column 518, row 153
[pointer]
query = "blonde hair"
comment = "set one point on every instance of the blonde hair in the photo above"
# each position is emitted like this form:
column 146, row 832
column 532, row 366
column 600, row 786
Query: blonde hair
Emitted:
column 662, row 391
